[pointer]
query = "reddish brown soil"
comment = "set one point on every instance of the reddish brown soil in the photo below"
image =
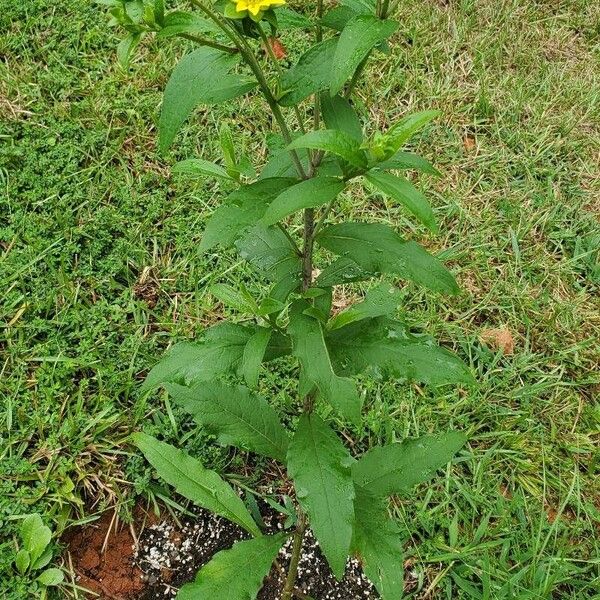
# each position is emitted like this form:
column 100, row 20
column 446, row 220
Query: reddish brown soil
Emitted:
column 110, row 573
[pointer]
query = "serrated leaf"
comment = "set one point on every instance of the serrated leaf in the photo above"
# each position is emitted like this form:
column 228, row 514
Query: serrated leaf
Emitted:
column 200, row 77
column 396, row 468
column 44, row 559
column 178, row 22
column 197, row 167
column 237, row 573
column 309, row 347
column 324, row 301
column 401, row 132
column 270, row 306
column 361, row 7
column 242, row 209
column 233, row 298
column 219, row 352
column 127, row 47
column 376, row 541
column 287, row 18
column 235, row 415
column 319, row 465
column 279, row 345
column 306, row 194
column 406, row 193
column 407, row 160
column 35, row 535
column 336, row 142
column 339, row 114
column 340, row 271
column 134, row 10
column 358, row 38
column 389, row 347
column 377, row 248
column 337, row 18
column 22, row 561
column 159, row 11
column 383, row 299
column 51, row 577
column 271, row 252
column 254, row 353
column 280, row 164
column 309, row 75
column 193, row 481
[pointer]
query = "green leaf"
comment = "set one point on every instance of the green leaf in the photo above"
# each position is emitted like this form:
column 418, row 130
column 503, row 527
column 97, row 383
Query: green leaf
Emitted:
column 35, row 535
column 338, row 114
column 395, row 469
column 324, row 301
column 22, row 561
column 383, row 299
column 159, row 11
column 280, row 164
column 319, row 464
column 43, row 560
column 377, row 248
column 237, row 573
column 306, row 194
column 377, row 543
column 220, row 351
column 235, row 415
column 193, row 481
column 271, row 252
column 201, row 77
column 279, row 345
column 406, row 193
column 309, row 75
column 197, row 167
column 179, row 21
column 401, row 132
column 254, row 353
column 134, row 9
column 361, row 7
column 310, row 349
column 127, row 47
column 242, row 209
column 337, row 18
column 288, row 18
column 270, row 306
column 235, row 167
column 389, row 347
column 358, row 38
column 336, row 142
column 51, row 577
column 407, row 160
column 234, row 298
column 340, row 271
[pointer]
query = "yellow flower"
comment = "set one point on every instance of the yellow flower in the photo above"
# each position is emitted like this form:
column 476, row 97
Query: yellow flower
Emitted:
column 256, row 6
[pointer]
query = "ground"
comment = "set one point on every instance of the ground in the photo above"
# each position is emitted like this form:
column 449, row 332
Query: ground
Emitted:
column 99, row 272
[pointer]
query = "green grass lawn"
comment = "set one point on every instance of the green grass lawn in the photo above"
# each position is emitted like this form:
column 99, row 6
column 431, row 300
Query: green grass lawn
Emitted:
column 100, row 272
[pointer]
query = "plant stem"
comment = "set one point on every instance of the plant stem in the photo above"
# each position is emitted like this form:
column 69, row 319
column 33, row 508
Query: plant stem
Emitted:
column 309, row 213
column 272, row 102
column 307, row 250
column 206, row 42
column 290, row 580
column 319, row 17
column 271, row 54
column 250, row 59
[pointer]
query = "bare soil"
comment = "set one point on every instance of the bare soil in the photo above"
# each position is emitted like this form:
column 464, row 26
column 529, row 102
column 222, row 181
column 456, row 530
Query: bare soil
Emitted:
column 108, row 561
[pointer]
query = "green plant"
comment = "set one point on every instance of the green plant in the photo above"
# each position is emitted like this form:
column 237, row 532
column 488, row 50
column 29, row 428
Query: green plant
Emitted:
column 35, row 554
column 342, row 498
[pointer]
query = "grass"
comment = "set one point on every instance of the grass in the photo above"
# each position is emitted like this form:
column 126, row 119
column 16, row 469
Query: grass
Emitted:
column 100, row 272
